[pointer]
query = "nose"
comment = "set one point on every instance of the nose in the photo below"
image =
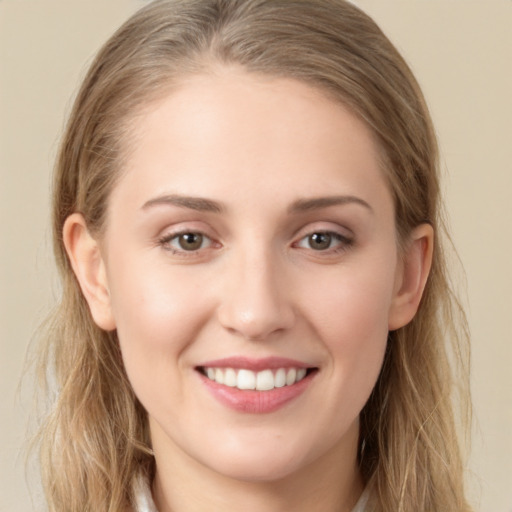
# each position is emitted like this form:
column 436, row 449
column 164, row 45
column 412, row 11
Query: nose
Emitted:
column 257, row 300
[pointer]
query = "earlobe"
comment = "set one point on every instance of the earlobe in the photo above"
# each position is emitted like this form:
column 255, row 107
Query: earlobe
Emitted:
column 412, row 277
column 87, row 263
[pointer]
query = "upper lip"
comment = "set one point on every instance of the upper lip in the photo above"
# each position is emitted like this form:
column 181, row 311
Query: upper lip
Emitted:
column 247, row 363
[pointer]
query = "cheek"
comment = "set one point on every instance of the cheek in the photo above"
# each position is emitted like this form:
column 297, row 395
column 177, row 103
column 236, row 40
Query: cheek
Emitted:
column 144, row 310
column 151, row 301
column 157, row 314
column 350, row 316
column 353, row 307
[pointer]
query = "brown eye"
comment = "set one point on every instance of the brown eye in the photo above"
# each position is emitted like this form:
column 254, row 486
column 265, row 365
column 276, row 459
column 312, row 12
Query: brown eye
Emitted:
column 320, row 241
column 190, row 241
column 325, row 241
column 185, row 242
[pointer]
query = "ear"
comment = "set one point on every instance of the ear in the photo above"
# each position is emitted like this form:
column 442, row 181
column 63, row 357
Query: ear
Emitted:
column 411, row 276
column 87, row 263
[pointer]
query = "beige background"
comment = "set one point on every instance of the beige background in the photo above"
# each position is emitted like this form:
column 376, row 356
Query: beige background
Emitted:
column 461, row 52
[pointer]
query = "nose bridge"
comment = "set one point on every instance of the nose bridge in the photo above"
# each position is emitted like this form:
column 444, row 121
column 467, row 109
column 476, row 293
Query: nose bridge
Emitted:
column 256, row 302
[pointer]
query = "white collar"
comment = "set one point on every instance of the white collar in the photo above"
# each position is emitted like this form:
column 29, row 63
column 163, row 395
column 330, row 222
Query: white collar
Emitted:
column 144, row 500
column 142, row 494
column 362, row 502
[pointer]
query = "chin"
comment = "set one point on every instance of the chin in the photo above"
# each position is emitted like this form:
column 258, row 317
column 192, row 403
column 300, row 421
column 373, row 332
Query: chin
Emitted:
column 262, row 464
column 260, row 471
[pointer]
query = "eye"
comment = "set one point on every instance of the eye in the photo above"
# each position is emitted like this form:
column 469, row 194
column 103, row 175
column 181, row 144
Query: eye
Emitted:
column 189, row 241
column 323, row 241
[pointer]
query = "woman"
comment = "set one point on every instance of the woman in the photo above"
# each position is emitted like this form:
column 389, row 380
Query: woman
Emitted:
column 255, row 311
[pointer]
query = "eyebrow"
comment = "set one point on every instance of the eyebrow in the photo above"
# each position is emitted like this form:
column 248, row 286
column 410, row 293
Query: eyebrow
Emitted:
column 304, row 205
column 207, row 205
column 199, row 204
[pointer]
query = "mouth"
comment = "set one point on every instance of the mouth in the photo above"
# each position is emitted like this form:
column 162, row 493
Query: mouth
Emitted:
column 264, row 380
column 256, row 385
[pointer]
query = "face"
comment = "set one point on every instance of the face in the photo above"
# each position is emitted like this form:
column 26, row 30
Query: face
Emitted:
column 251, row 263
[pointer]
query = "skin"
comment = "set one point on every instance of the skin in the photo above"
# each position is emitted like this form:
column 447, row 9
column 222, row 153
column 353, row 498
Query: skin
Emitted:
column 257, row 287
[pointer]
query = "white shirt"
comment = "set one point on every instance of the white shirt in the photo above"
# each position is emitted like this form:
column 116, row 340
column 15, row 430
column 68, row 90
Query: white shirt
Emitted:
column 144, row 501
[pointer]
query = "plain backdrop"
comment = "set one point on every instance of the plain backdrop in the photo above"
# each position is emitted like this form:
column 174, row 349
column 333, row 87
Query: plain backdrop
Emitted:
column 461, row 53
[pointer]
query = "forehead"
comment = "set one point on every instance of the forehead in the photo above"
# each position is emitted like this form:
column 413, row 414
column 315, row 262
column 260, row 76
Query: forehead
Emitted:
column 231, row 130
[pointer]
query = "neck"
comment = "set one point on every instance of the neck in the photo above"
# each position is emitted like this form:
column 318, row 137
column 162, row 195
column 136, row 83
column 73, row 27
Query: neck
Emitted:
column 332, row 483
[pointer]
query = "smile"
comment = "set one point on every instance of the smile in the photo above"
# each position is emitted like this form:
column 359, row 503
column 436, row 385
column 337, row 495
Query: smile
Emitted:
column 256, row 385
column 264, row 380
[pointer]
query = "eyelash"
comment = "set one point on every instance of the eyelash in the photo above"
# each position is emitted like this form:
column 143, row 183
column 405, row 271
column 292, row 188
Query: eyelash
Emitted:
column 342, row 242
column 166, row 241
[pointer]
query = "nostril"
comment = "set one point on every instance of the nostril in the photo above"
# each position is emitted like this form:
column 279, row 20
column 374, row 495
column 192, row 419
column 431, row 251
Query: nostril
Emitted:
column 255, row 304
column 254, row 324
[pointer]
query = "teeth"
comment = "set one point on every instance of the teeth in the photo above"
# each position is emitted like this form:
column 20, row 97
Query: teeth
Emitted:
column 301, row 373
column 291, row 374
column 260, row 381
column 264, row 380
column 245, row 379
column 280, row 378
column 219, row 376
column 230, row 377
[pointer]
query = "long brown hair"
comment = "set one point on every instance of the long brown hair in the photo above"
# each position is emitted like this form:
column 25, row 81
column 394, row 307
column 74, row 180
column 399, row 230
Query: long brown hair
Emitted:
column 94, row 439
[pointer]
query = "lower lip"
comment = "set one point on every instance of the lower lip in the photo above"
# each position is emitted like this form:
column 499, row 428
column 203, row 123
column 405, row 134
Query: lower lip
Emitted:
column 256, row 402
